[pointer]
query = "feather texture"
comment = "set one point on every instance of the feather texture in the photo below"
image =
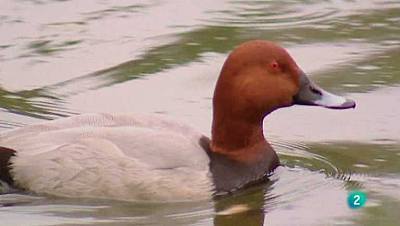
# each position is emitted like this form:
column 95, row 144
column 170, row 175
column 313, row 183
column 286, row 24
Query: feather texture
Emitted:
column 113, row 156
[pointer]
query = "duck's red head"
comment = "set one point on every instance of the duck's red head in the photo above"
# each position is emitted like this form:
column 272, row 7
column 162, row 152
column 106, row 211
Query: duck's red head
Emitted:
column 257, row 78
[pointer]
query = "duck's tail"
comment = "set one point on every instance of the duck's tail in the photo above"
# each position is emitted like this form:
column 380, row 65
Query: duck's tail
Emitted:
column 5, row 165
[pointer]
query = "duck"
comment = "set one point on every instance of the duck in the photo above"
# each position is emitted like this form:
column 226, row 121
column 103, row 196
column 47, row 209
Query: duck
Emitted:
column 132, row 157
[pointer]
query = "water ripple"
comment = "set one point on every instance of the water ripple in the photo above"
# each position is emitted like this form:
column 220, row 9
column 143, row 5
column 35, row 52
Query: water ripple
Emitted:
column 296, row 154
column 285, row 14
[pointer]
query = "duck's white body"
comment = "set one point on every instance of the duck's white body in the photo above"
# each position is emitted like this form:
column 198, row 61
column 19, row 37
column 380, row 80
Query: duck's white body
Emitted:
column 116, row 156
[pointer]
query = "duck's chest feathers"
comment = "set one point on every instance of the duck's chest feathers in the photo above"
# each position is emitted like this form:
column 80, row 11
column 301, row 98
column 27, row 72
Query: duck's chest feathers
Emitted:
column 230, row 175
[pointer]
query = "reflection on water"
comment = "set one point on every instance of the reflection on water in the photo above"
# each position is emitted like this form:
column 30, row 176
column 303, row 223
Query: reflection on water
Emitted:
column 60, row 58
column 374, row 72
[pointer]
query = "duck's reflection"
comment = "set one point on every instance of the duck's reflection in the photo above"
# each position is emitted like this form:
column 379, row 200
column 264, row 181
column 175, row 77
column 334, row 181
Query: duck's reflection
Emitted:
column 245, row 208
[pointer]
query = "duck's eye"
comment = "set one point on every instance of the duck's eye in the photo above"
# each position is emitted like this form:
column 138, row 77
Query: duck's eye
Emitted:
column 274, row 65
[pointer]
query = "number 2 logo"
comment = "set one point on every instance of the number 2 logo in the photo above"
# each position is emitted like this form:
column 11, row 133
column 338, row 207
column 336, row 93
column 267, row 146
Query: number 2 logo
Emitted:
column 356, row 199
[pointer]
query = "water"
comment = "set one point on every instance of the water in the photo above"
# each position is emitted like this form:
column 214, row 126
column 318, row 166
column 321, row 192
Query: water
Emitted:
column 61, row 58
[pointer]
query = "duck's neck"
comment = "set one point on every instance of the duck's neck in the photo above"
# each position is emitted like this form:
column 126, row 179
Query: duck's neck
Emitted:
column 232, row 135
column 238, row 137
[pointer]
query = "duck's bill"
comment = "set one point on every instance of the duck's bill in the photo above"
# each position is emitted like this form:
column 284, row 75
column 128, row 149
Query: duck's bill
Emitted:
column 311, row 94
